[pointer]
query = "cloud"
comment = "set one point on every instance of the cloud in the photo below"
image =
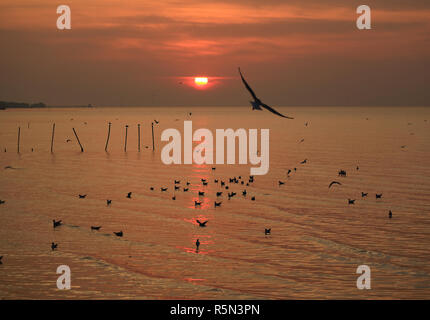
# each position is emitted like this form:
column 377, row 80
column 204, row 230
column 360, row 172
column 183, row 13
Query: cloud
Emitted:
column 121, row 46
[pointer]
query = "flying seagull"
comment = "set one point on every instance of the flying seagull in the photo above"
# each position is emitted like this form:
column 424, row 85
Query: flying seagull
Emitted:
column 257, row 104
column 334, row 182
column 202, row 224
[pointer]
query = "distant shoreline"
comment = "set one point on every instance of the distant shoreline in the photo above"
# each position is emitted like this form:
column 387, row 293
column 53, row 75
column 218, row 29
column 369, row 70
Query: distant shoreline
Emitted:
column 40, row 105
column 22, row 105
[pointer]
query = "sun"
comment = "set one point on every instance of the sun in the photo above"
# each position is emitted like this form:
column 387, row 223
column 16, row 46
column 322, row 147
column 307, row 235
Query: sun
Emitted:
column 201, row 81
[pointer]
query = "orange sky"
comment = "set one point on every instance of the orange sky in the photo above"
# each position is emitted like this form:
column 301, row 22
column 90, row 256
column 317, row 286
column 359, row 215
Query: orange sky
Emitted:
column 136, row 52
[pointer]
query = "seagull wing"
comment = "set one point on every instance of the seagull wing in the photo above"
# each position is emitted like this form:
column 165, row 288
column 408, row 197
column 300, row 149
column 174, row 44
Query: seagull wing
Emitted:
column 274, row 111
column 247, row 86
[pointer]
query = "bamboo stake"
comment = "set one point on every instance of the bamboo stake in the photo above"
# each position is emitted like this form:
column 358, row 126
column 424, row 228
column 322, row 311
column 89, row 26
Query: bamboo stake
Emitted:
column 77, row 138
column 52, row 138
column 108, row 136
column 153, row 145
column 138, row 137
column 19, row 137
column 125, row 144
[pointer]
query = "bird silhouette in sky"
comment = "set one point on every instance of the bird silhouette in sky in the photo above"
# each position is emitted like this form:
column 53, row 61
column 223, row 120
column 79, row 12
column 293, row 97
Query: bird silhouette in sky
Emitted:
column 257, row 103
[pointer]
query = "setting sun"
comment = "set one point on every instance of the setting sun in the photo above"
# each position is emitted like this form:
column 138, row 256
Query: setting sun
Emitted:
column 201, row 81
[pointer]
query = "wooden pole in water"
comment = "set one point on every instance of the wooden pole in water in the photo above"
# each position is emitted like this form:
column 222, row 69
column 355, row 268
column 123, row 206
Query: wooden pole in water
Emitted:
column 125, row 144
column 138, row 137
column 108, row 136
column 52, row 138
column 19, row 136
column 153, row 145
column 77, row 138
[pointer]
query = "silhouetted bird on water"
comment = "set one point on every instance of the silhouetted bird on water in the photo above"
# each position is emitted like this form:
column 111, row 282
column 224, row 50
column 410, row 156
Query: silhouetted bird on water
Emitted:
column 129, row 195
column 163, row 189
column 56, row 223
column 196, row 203
column 108, row 202
column 2, row 201
column 118, row 234
column 363, row 194
column 231, row 195
column 390, row 214
column 54, row 246
column 95, row 228
column 253, row 198
column 244, row 193
column 351, row 201
column 205, row 183
column 185, row 189
column 201, row 193
column 378, row 196
column 202, row 224
column 157, row 122
column 152, row 188
column 304, row 161
column 177, row 181
column 217, row 204
column 82, row 196
column 1, row 257
column 342, row 173
column 267, row 231
column 197, row 245
column 177, row 187
column 289, row 171
column 174, row 198
column 257, row 103
column 218, row 194
column 334, row 182
column 281, row 183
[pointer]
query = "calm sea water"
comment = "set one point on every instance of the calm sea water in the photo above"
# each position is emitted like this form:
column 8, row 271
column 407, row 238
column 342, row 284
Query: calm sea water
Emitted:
column 317, row 239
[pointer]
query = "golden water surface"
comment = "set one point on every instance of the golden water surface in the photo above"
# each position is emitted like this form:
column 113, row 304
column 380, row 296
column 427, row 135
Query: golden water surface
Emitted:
column 317, row 239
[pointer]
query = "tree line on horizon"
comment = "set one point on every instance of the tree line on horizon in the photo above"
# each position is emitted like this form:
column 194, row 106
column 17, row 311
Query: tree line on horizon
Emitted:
column 7, row 104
